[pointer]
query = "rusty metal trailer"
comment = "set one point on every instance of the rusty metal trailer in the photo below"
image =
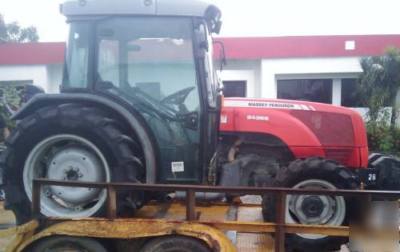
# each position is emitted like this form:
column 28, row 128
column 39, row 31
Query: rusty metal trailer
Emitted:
column 221, row 226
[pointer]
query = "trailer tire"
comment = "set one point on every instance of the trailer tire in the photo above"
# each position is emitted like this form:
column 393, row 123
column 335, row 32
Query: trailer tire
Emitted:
column 63, row 133
column 175, row 243
column 67, row 242
column 305, row 174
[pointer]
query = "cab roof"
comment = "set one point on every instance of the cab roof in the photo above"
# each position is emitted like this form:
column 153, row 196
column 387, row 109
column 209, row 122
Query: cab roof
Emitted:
column 194, row 8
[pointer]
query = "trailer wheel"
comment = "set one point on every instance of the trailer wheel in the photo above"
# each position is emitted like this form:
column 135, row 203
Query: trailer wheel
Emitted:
column 313, row 173
column 67, row 243
column 71, row 143
column 175, row 244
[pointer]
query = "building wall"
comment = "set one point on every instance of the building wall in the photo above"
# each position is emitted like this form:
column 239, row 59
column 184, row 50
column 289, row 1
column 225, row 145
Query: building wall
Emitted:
column 47, row 77
column 35, row 73
column 262, row 75
column 54, row 78
column 244, row 70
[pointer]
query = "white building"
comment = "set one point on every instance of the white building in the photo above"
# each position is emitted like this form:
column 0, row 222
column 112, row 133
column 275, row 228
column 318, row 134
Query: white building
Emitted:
column 316, row 68
column 32, row 63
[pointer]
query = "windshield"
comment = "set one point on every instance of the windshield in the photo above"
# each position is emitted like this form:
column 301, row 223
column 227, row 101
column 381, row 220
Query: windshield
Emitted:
column 138, row 56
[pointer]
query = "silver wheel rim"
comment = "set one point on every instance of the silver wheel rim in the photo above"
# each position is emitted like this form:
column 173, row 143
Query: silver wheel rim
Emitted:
column 333, row 211
column 70, row 158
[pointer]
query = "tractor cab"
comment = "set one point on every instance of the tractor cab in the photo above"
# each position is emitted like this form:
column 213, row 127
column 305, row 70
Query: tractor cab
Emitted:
column 155, row 58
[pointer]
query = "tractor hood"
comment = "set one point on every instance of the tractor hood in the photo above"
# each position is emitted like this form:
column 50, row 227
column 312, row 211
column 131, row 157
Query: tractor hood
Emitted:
column 339, row 133
column 291, row 105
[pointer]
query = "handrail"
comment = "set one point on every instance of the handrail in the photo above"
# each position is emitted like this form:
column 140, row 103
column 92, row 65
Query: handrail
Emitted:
column 281, row 193
column 221, row 189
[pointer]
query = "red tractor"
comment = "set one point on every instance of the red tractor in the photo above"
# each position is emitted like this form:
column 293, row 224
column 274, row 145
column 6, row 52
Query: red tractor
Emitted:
column 140, row 102
column 301, row 145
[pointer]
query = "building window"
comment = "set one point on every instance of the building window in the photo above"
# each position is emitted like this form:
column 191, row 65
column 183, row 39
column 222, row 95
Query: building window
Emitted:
column 350, row 94
column 235, row 88
column 316, row 90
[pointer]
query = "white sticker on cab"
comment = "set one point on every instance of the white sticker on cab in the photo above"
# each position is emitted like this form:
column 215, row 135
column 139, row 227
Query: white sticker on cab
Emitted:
column 177, row 167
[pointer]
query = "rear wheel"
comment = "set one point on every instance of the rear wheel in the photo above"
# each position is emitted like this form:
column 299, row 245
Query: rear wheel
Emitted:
column 175, row 244
column 70, row 158
column 68, row 244
column 313, row 173
column 70, row 143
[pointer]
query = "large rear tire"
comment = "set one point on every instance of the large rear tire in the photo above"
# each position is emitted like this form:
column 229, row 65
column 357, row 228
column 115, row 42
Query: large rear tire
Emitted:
column 313, row 173
column 74, row 143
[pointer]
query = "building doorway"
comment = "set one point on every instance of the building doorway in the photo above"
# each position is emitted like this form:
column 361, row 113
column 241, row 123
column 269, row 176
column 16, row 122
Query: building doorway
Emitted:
column 235, row 88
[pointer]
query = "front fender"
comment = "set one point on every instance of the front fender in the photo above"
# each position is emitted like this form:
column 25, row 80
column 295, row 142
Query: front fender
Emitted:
column 132, row 118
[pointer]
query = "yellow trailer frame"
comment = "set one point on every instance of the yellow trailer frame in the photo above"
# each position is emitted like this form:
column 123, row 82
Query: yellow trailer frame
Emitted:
column 207, row 229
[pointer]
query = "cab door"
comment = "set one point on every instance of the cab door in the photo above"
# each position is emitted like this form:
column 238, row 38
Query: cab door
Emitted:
column 149, row 63
column 211, row 96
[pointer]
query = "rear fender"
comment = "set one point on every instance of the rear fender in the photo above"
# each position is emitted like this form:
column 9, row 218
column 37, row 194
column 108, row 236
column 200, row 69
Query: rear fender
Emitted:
column 131, row 117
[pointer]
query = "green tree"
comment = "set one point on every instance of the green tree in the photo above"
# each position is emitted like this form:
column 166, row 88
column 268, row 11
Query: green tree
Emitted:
column 13, row 32
column 380, row 84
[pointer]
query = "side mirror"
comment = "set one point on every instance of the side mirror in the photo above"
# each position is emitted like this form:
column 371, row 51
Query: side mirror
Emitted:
column 217, row 27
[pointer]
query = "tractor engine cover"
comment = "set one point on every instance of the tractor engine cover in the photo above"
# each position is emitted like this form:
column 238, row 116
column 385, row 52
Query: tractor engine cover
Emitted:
column 306, row 128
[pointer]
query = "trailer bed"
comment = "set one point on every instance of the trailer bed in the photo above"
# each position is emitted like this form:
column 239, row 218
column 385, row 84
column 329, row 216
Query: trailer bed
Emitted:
column 207, row 213
column 217, row 212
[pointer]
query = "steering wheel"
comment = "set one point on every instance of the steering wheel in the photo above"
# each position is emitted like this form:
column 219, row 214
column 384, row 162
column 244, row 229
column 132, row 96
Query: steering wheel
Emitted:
column 135, row 93
column 178, row 97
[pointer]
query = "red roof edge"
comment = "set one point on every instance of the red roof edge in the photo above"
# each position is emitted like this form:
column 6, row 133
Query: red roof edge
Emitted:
column 32, row 53
column 307, row 46
column 240, row 48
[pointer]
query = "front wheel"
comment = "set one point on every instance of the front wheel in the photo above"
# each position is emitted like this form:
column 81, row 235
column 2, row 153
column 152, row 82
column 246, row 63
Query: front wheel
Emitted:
column 320, row 174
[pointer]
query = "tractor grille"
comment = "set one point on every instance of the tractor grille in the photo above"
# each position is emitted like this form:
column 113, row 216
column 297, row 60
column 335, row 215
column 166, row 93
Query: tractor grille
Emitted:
column 331, row 129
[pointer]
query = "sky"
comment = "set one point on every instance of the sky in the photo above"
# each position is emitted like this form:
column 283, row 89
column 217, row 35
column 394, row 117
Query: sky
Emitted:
column 245, row 17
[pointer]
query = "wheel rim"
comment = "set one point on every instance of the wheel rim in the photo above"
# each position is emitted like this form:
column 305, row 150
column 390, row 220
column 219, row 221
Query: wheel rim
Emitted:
column 315, row 209
column 69, row 158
